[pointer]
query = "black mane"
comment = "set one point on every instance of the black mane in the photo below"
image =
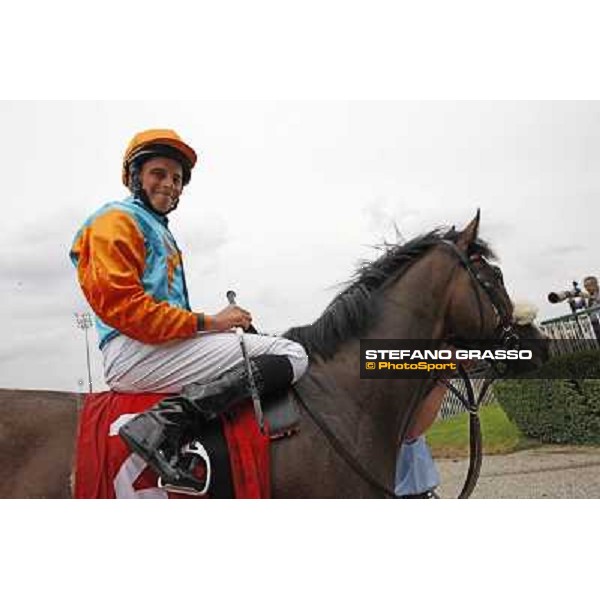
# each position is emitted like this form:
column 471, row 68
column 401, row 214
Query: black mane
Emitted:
column 352, row 311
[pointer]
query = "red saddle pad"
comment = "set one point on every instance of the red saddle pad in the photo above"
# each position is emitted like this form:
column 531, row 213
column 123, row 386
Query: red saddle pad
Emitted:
column 105, row 467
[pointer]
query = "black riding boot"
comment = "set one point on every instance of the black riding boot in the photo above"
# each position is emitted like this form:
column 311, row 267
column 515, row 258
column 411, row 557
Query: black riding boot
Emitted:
column 158, row 434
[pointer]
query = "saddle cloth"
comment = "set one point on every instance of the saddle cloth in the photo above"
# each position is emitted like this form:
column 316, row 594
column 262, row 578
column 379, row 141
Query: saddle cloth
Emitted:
column 105, row 467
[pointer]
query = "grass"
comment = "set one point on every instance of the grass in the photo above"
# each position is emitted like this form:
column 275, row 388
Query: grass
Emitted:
column 450, row 438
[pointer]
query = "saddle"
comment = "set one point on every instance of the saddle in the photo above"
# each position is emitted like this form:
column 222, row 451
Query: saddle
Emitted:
column 209, row 456
column 232, row 448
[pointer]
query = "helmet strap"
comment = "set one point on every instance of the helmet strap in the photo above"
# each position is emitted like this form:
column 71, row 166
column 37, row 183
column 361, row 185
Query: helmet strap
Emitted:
column 139, row 192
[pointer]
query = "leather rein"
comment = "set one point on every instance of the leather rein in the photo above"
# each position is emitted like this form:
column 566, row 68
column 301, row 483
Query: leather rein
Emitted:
column 506, row 338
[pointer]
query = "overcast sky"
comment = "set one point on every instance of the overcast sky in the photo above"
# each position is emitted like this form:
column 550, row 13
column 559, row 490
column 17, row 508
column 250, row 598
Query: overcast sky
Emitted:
column 286, row 199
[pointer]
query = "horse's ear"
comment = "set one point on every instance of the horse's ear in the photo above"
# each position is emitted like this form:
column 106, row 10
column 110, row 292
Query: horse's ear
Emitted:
column 469, row 235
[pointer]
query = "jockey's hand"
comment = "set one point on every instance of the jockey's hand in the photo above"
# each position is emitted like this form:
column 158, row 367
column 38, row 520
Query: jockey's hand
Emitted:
column 230, row 317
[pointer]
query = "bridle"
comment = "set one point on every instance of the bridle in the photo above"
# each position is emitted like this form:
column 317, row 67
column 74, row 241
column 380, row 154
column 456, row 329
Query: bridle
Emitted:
column 505, row 336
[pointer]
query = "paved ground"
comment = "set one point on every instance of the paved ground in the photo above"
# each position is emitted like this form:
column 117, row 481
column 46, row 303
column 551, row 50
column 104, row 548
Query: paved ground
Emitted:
column 544, row 472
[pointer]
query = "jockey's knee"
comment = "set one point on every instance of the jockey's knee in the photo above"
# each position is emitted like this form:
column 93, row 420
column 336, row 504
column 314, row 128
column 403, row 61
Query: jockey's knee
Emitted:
column 298, row 358
column 292, row 350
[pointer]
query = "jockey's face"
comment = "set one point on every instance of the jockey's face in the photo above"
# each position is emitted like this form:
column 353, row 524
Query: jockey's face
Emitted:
column 162, row 180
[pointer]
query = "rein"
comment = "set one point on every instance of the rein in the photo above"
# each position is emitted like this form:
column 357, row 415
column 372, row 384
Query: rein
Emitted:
column 507, row 338
column 472, row 405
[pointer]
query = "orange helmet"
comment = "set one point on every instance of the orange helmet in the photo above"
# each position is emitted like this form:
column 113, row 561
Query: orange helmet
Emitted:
column 159, row 142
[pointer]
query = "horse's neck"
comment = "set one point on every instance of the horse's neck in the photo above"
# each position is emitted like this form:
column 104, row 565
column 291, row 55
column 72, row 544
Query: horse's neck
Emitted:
column 369, row 415
column 415, row 306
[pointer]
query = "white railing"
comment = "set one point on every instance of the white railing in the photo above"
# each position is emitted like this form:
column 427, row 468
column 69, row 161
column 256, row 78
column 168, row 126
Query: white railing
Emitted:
column 451, row 405
column 574, row 332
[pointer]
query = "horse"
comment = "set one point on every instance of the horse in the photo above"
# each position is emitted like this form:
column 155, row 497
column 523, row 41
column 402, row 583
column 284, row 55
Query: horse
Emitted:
column 440, row 286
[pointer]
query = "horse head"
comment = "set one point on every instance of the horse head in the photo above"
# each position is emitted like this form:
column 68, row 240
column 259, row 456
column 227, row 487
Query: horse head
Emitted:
column 480, row 309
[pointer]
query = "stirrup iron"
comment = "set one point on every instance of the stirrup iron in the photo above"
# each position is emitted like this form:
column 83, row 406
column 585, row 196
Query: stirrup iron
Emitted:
column 193, row 449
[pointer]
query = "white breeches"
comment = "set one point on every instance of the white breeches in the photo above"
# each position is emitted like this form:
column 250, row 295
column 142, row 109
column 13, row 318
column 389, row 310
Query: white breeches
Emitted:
column 131, row 366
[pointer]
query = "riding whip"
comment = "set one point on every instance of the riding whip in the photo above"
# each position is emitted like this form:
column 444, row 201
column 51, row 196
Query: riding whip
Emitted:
column 253, row 390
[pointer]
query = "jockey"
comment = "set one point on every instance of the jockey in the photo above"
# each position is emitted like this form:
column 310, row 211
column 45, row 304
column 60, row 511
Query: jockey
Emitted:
column 130, row 270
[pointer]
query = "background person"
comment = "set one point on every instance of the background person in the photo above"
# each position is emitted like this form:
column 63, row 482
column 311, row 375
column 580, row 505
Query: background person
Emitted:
column 592, row 300
column 590, row 283
column 416, row 475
